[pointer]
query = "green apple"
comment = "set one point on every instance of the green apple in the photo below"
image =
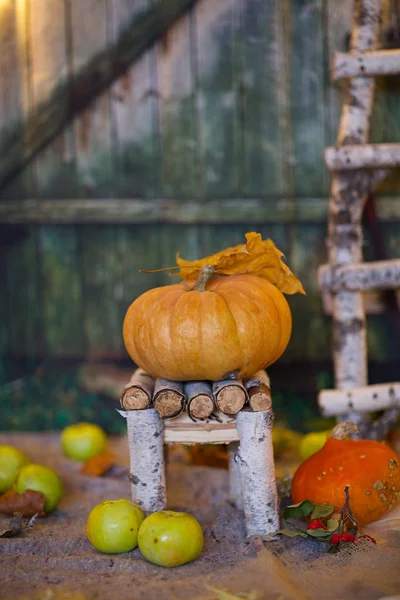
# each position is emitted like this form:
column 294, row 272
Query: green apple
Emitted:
column 40, row 479
column 112, row 526
column 83, row 440
column 170, row 539
column 11, row 460
column 312, row 442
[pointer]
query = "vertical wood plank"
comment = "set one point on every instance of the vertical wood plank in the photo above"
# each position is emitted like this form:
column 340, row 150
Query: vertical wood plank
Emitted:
column 176, row 90
column 11, row 110
column 185, row 239
column 90, row 34
column 338, row 25
column 307, row 97
column 24, row 291
column 135, row 114
column 103, row 291
column 385, row 118
column 20, row 249
column 218, row 59
column 264, row 99
column 60, row 280
column 49, row 65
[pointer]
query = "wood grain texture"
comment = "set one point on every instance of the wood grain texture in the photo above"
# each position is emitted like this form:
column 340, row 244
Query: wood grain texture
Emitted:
column 90, row 34
column 307, row 106
column 50, row 65
column 71, row 97
column 135, row 115
column 62, row 304
column 24, row 291
column 11, row 101
column 217, row 63
column 177, row 117
column 264, row 99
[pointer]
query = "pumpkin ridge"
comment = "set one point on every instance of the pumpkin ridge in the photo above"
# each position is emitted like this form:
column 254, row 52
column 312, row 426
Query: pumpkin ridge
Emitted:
column 176, row 361
column 153, row 332
column 262, row 288
column 237, row 339
column 282, row 300
column 257, row 303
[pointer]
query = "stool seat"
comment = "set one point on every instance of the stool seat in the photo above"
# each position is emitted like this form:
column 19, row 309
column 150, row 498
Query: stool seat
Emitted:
column 183, row 430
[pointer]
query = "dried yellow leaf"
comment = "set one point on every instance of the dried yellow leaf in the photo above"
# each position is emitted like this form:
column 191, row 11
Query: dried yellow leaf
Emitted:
column 256, row 257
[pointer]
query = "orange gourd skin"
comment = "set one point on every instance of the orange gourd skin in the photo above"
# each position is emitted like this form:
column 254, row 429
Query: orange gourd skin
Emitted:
column 370, row 469
column 239, row 324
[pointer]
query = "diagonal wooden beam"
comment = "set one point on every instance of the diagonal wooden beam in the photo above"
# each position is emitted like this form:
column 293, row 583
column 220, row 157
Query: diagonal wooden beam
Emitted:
column 75, row 94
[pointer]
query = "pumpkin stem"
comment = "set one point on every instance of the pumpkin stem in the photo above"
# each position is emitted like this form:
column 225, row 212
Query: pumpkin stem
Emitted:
column 205, row 275
column 343, row 430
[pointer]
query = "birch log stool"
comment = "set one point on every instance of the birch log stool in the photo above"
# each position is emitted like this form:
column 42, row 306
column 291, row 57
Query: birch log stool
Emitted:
column 161, row 412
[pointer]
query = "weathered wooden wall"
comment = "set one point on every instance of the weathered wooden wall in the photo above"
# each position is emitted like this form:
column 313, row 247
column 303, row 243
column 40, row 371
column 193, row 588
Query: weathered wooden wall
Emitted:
column 218, row 130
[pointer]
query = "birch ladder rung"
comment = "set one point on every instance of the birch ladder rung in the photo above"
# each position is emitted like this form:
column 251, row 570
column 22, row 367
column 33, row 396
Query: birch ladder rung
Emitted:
column 360, row 277
column 362, row 156
column 369, row 398
column 346, row 65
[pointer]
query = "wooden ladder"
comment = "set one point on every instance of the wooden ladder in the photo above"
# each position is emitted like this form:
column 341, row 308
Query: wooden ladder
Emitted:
column 357, row 168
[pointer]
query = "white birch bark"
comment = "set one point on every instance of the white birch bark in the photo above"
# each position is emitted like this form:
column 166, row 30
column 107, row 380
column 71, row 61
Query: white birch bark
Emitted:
column 235, row 482
column 361, row 277
column 348, row 195
column 356, row 64
column 365, row 156
column 146, row 453
column 257, row 471
column 369, row 398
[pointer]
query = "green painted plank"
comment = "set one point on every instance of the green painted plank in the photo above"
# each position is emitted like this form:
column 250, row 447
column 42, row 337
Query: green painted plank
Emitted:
column 89, row 35
column 139, row 247
column 185, row 239
column 11, row 110
column 48, row 43
column 5, row 329
column 102, row 278
column 385, row 125
column 338, row 25
column 311, row 333
column 264, row 99
column 24, row 290
column 176, row 94
column 135, row 114
column 218, row 64
column 307, row 97
column 61, row 286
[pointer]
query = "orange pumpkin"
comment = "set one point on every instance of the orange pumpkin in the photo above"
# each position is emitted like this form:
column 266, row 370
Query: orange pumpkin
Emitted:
column 219, row 326
column 370, row 469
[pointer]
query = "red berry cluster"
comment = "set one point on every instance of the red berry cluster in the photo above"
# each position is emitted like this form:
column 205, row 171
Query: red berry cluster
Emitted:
column 316, row 524
column 338, row 538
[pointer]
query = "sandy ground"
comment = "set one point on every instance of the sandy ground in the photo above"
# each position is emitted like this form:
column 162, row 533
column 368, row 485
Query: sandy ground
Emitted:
column 55, row 560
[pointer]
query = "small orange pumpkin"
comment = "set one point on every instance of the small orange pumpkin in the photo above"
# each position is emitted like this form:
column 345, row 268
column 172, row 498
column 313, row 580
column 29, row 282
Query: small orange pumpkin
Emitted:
column 371, row 470
column 222, row 325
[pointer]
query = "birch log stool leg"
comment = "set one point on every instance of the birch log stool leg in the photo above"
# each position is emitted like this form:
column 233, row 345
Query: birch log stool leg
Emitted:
column 146, row 453
column 257, row 471
column 235, row 479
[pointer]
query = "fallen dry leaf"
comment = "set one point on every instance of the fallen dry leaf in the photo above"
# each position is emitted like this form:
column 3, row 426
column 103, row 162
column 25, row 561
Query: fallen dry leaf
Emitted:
column 18, row 525
column 29, row 503
column 99, row 465
column 256, row 257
